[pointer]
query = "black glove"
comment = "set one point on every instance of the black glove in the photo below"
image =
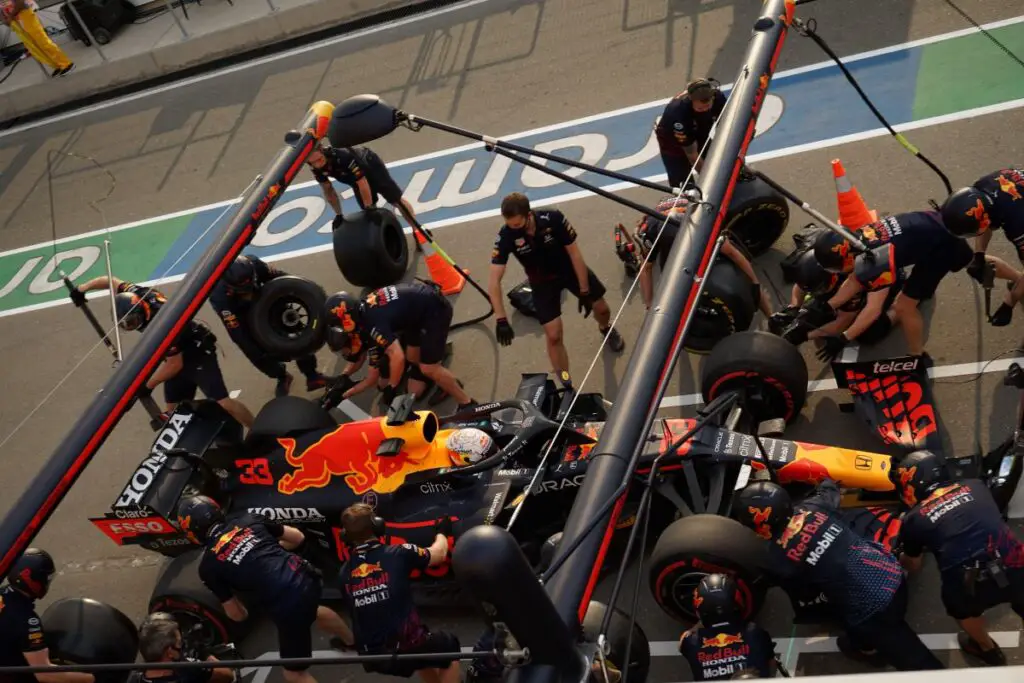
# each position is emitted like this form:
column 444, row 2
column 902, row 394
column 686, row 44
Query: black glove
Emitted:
column 504, row 332
column 816, row 313
column 77, row 297
column 1002, row 316
column 444, row 526
column 977, row 267
column 586, row 306
column 338, row 221
column 834, row 345
column 388, row 394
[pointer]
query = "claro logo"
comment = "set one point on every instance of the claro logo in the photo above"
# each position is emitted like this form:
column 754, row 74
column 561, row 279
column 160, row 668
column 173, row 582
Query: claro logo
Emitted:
column 151, row 466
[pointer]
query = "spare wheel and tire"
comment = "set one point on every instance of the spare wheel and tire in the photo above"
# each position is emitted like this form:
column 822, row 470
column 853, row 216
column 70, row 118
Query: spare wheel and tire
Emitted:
column 727, row 306
column 181, row 593
column 370, row 248
column 766, row 368
column 757, row 215
column 86, row 631
column 286, row 319
column 697, row 545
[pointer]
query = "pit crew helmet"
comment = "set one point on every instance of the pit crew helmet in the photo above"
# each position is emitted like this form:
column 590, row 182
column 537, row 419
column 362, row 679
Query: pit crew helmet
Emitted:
column 349, row 345
column 32, row 572
column 197, row 515
column 965, row 213
column 811, row 277
column 716, row 599
column 132, row 311
column 469, row 446
column 763, row 506
column 343, row 310
column 240, row 277
column 832, row 251
column 918, row 474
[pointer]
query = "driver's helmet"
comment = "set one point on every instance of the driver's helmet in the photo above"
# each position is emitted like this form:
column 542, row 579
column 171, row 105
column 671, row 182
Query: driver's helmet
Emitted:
column 918, row 474
column 832, row 251
column 343, row 310
column 716, row 599
column 468, row 446
column 132, row 311
column 240, row 278
column 197, row 515
column 965, row 213
column 763, row 506
column 32, row 572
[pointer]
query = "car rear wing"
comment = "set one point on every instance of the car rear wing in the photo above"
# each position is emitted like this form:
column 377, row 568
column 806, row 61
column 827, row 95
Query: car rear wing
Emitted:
column 144, row 511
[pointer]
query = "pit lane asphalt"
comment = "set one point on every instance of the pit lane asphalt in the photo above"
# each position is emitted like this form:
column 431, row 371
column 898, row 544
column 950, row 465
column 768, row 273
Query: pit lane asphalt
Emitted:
column 496, row 71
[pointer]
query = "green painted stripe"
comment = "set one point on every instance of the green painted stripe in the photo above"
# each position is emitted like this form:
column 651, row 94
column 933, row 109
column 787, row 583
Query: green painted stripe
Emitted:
column 31, row 278
column 969, row 72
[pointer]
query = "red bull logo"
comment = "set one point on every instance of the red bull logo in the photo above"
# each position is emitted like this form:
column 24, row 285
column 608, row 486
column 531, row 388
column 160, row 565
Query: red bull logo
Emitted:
column 843, row 250
column 760, row 517
column 883, row 280
column 978, row 213
column 697, row 600
column 350, row 452
column 906, row 482
column 1009, row 187
column 366, row 569
column 793, row 527
column 723, row 640
column 803, row 470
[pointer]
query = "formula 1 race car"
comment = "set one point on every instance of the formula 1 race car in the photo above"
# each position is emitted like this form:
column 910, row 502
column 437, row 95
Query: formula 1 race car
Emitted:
column 299, row 466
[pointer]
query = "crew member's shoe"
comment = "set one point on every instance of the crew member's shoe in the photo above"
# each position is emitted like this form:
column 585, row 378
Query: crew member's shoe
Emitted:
column 284, row 385
column 614, row 339
column 847, row 647
column 993, row 657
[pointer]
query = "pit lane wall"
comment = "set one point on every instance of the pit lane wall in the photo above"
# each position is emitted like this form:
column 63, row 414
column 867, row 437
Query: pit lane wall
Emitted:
column 247, row 26
column 1012, row 674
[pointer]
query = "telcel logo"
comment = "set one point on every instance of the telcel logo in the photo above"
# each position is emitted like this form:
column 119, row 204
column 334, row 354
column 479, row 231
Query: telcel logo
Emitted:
column 905, row 366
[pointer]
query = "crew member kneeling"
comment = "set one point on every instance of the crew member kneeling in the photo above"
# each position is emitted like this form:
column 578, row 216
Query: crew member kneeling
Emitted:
column 376, row 581
column 723, row 643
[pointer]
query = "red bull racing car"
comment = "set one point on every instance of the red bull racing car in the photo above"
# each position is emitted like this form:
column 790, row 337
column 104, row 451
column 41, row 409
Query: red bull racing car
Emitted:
column 300, row 466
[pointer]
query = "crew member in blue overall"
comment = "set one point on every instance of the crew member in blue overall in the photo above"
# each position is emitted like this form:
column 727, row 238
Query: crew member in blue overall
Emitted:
column 981, row 560
column 723, row 644
column 232, row 297
column 994, row 201
column 685, row 126
column 809, row 545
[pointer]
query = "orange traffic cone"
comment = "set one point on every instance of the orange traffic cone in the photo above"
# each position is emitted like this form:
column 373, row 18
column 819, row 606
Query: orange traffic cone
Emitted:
column 441, row 272
column 853, row 212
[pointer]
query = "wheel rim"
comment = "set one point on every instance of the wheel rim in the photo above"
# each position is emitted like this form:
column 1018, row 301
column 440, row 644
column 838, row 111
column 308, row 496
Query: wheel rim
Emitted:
column 289, row 318
column 764, row 398
column 196, row 633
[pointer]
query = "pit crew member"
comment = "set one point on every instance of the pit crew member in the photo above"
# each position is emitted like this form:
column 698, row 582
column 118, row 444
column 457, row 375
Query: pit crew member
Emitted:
column 361, row 169
column 809, row 545
column 647, row 232
column 864, row 318
column 252, row 555
column 191, row 361
column 544, row 243
column 160, row 641
column 22, row 640
column 916, row 238
column 980, row 559
column 375, row 580
column 232, row 297
column 415, row 312
column 723, row 643
column 685, row 126
column 992, row 202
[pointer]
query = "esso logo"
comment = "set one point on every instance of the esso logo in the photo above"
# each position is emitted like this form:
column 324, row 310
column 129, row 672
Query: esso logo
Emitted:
column 136, row 527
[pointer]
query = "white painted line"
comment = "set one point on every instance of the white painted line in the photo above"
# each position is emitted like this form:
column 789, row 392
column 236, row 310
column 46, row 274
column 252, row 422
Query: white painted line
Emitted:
column 353, row 411
column 455, row 8
column 937, row 372
column 235, row 393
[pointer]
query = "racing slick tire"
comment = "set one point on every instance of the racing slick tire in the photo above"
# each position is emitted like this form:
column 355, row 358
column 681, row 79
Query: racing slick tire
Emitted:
column 86, row 631
column 286, row 318
column 697, row 545
column 181, row 593
column 766, row 368
column 623, row 653
column 370, row 248
column 757, row 215
column 726, row 306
